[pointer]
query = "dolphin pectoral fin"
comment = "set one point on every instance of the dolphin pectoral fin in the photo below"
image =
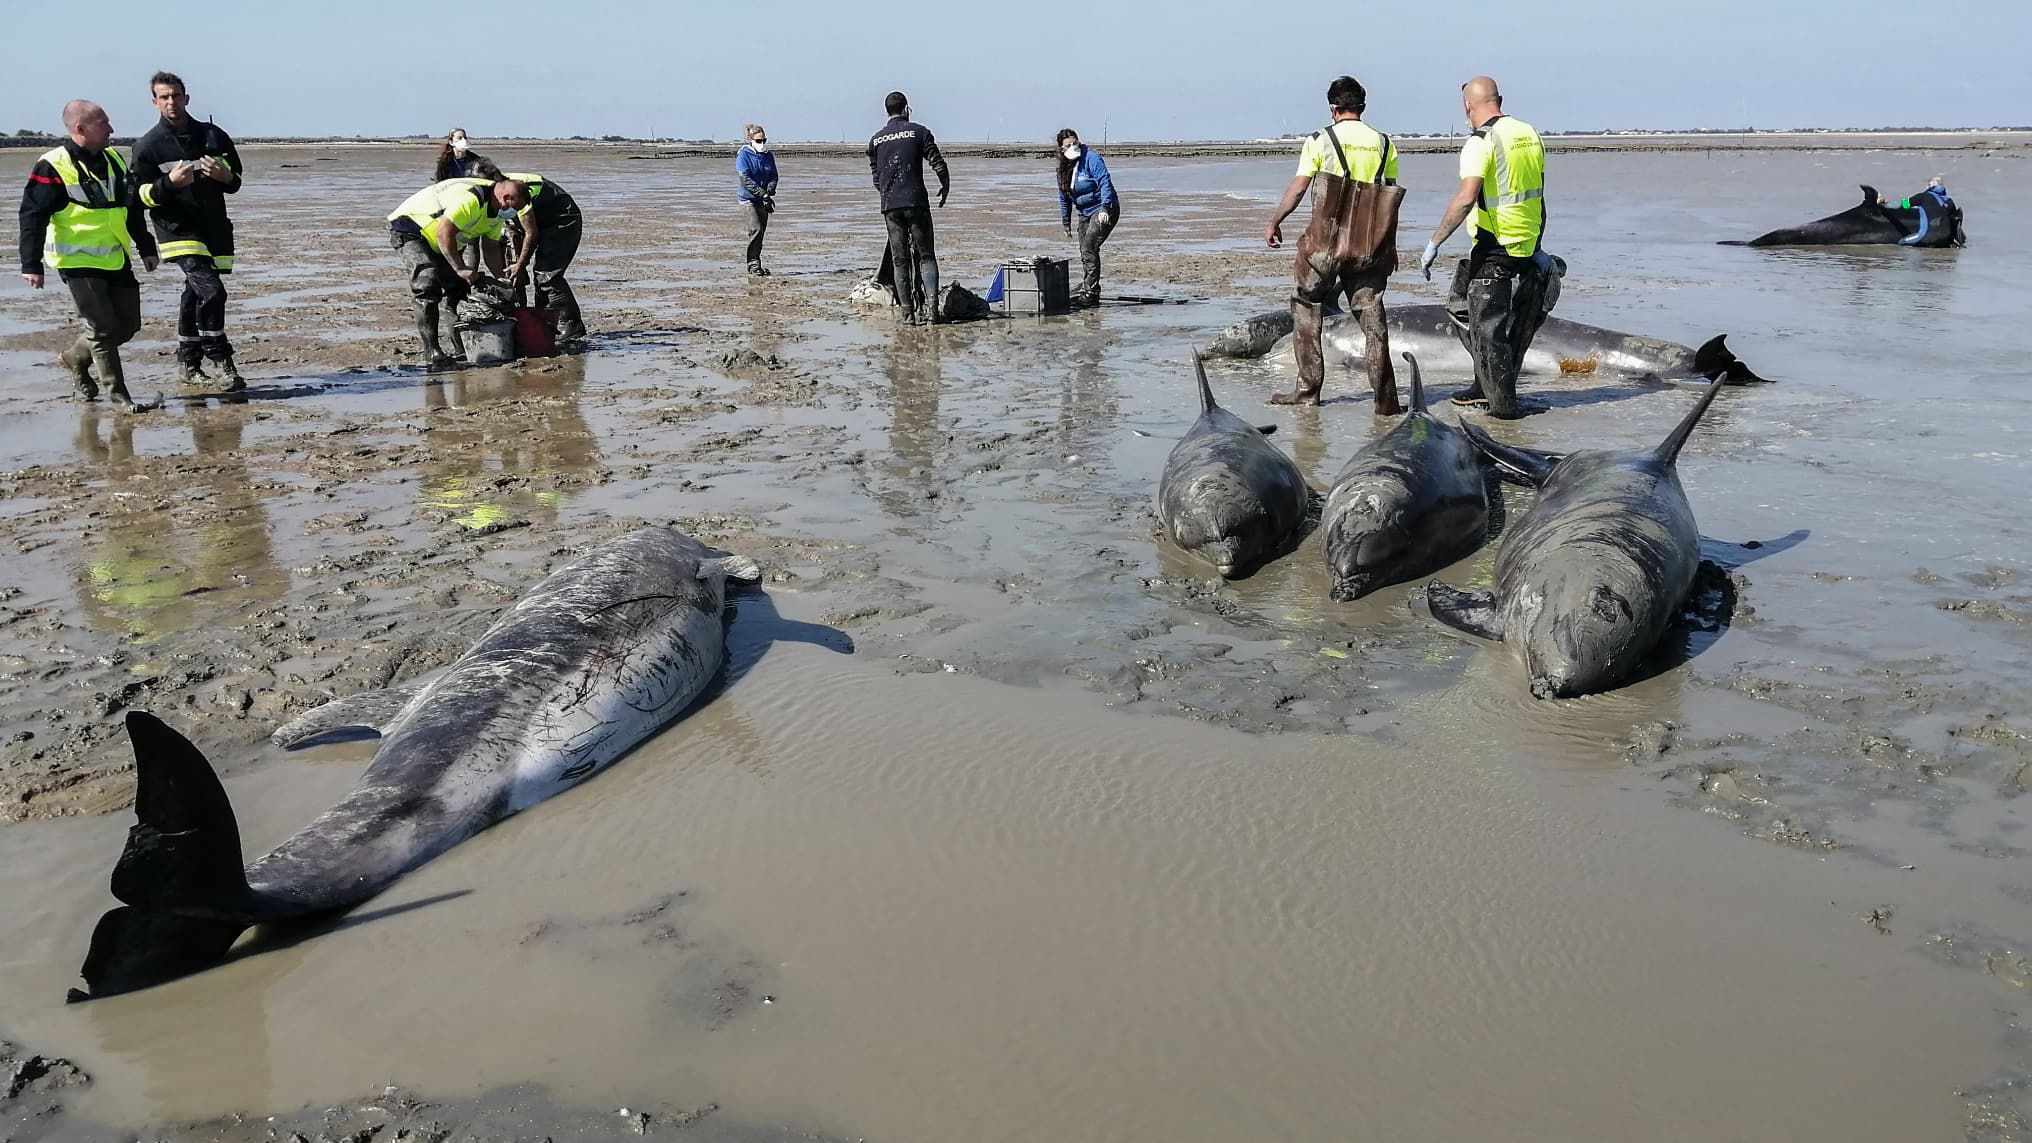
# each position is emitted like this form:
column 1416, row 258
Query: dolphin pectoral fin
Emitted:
column 364, row 715
column 186, row 896
column 1266, row 430
column 1518, row 465
column 732, row 567
column 1469, row 612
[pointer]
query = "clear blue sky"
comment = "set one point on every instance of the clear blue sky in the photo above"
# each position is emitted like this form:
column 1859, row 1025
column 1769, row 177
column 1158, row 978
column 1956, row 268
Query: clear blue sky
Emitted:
column 1188, row 69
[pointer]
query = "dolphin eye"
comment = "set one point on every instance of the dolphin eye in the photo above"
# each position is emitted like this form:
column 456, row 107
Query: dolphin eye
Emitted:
column 1607, row 604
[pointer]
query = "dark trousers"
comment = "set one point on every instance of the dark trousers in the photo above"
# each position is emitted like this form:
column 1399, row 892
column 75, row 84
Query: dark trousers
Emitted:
column 756, row 221
column 431, row 281
column 1499, row 303
column 111, row 309
column 910, row 246
column 1093, row 232
column 556, row 246
column 201, row 315
column 1317, row 277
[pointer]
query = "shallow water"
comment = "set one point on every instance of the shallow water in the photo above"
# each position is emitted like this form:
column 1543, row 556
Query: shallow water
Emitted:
column 1431, row 908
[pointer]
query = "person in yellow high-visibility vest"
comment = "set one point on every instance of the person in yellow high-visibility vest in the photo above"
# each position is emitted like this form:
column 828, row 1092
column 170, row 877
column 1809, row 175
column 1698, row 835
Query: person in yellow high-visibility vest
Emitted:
column 427, row 230
column 1504, row 288
column 80, row 215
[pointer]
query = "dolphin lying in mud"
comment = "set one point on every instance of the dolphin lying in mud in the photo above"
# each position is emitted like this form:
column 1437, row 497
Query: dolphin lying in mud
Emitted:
column 596, row 658
column 1228, row 495
column 1560, row 346
column 1409, row 503
column 1929, row 218
column 1596, row 570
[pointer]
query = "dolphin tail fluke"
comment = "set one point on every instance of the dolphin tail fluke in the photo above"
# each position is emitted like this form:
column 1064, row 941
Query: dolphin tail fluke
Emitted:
column 1714, row 361
column 1518, row 465
column 1417, row 384
column 185, row 893
column 1668, row 449
column 1206, row 389
column 1469, row 612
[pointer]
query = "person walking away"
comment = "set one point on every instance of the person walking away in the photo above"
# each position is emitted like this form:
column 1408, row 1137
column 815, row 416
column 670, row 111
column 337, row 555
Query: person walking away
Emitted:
column 80, row 215
column 1084, row 186
column 551, row 229
column 755, row 168
column 896, row 158
column 183, row 170
column 1500, row 290
column 426, row 230
column 457, row 160
column 1346, row 150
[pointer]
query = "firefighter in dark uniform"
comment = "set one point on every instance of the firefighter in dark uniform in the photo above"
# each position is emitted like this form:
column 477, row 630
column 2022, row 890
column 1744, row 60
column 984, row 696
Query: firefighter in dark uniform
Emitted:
column 185, row 169
column 896, row 158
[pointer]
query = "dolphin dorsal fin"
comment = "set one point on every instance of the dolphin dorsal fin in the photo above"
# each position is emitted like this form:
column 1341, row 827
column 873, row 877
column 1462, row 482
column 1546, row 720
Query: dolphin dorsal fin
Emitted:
column 1417, row 384
column 1206, row 390
column 1869, row 194
column 1668, row 449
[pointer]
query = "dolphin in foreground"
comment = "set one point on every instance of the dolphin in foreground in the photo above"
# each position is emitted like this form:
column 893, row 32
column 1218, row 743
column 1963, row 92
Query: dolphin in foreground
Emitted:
column 1929, row 218
column 1596, row 570
column 1227, row 494
column 1409, row 503
column 596, row 658
column 1560, row 346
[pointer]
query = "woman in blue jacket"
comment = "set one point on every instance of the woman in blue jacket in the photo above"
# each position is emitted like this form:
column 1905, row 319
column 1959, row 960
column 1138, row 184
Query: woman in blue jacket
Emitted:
column 1084, row 185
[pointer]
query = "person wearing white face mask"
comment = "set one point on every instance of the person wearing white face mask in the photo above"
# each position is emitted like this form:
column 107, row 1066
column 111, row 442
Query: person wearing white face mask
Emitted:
column 457, row 160
column 755, row 167
column 1084, row 185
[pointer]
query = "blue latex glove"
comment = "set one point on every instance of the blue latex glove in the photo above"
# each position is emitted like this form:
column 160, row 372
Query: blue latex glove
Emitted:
column 1426, row 259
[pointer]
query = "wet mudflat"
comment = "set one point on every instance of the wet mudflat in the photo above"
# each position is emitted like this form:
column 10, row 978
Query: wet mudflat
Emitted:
column 1427, row 904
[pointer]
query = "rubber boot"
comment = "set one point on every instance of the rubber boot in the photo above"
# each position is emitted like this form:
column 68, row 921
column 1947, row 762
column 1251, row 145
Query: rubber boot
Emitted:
column 234, row 382
column 1305, row 330
column 927, row 273
column 118, row 397
column 571, row 325
column 1490, row 327
column 906, row 292
column 426, row 332
column 191, row 373
column 79, row 367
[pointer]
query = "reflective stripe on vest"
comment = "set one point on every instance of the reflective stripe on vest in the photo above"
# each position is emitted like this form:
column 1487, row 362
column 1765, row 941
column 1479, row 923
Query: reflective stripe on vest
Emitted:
column 1517, row 216
column 90, row 233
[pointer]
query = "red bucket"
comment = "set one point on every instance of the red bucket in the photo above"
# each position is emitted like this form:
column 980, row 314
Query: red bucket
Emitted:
column 535, row 332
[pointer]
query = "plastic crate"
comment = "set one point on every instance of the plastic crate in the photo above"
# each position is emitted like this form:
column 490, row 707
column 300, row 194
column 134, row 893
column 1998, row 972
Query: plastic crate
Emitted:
column 1037, row 286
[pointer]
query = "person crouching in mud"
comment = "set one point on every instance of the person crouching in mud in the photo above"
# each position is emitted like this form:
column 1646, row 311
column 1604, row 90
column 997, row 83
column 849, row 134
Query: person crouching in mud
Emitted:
column 426, row 231
column 1084, row 185
column 1352, row 157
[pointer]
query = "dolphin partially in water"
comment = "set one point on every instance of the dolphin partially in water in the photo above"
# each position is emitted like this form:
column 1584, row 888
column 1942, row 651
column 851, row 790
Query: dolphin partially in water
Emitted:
column 600, row 655
column 1409, row 503
column 1926, row 219
column 1227, row 494
column 1596, row 570
column 1560, row 346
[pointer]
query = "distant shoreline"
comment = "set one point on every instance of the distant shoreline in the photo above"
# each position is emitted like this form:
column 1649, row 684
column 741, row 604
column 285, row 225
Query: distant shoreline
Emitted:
column 1958, row 139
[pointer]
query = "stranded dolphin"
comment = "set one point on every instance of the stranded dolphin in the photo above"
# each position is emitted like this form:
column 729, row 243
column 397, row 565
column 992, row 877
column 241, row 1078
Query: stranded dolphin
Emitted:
column 1228, row 495
column 1929, row 218
column 1409, row 503
column 1598, row 567
column 596, row 658
column 1560, row 346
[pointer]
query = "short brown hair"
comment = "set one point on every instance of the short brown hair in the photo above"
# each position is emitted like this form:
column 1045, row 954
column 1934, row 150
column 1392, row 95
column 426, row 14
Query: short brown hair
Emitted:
column 165, row 77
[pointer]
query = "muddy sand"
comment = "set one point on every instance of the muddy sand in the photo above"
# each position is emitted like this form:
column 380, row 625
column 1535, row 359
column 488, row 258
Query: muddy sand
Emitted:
column 1077, row 841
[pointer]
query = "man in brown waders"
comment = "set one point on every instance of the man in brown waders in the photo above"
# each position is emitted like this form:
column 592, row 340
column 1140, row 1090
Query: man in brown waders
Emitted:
column 1350, row 246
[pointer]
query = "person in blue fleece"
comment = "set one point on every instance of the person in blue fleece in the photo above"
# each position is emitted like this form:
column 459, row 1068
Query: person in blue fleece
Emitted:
column 755, row 167
column 1084, row 186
